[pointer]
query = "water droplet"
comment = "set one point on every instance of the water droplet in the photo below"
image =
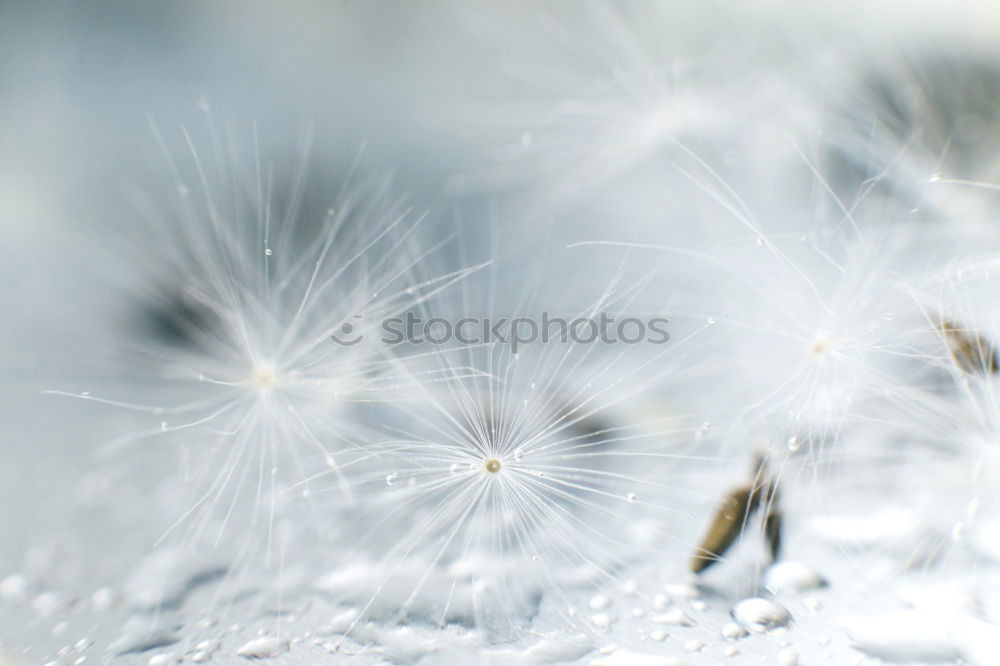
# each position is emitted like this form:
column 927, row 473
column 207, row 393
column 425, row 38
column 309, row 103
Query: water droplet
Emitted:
column 673, row 616
column 760, row 240
column 630, row 497
column 760, row 615
column 453, row 469
column 518, row 455
column 788, row 658
column 391, row 479
column 533, row 386
column 102, row 599
column 791, row 576
column 330, row 461
column 658, row 635
column 711, row 320
column 163, row 426
column 264, row 647
column 600, row 602
column 694, row 645
column 267, row 252
column 602, row 620
column 733, row 631
column 793, row 444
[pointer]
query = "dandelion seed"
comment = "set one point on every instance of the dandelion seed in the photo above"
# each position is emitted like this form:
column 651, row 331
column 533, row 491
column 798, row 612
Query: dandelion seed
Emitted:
column 525, row 493
column 733, row 514
column 971, row 351
column 250, row 294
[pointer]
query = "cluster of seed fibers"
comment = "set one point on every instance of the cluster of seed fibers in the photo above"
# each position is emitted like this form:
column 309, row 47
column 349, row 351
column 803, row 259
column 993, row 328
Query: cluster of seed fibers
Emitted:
column 805, row 474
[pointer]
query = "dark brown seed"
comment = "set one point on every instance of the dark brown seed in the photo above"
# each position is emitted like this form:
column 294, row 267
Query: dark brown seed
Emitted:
column 726, row 526
column 971, row 351
column 733, row 514
column 772, row 531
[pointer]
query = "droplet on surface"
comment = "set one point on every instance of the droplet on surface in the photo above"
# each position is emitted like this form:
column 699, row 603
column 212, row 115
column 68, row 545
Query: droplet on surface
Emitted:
column 391, row 479
column 733, row 631
column 600, row 602
column 760, row 615
column 792, row 577
column 674, row 616
column 163, row 659
column 14, row 587
column 788, row 658
column 603, row 620
column 264, row 647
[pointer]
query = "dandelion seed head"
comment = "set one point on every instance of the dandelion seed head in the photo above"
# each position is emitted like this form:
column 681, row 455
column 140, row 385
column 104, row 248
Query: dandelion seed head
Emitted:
column 264, row 378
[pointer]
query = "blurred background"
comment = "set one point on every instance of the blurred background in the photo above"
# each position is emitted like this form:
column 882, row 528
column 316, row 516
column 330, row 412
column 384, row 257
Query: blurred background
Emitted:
column 520, row 121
